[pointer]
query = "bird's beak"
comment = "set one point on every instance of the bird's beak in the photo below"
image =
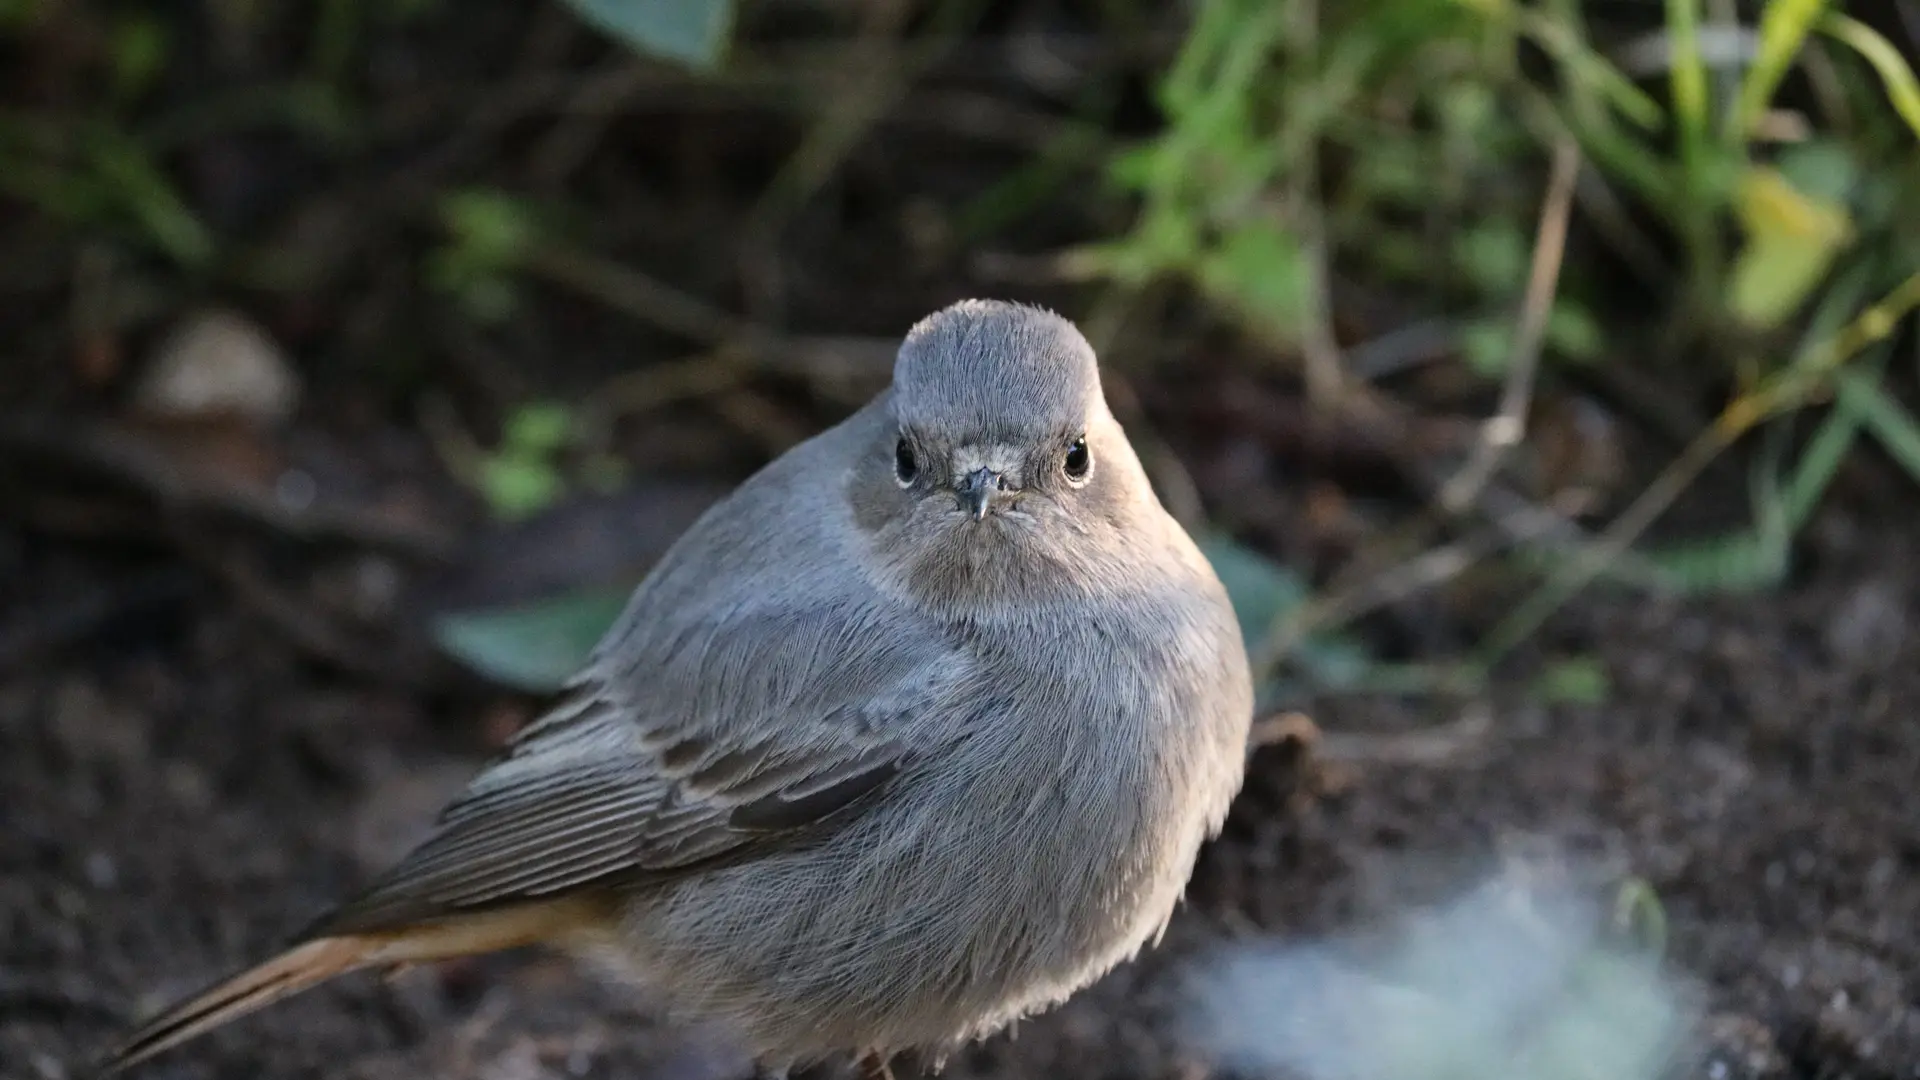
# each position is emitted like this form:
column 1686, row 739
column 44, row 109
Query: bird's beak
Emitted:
column 976, row 491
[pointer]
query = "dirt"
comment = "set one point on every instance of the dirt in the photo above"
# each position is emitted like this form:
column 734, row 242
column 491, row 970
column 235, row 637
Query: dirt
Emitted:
column 182, row 789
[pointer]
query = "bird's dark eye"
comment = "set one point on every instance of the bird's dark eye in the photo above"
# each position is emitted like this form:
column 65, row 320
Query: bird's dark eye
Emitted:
column 905, row 468
column 1078, row 461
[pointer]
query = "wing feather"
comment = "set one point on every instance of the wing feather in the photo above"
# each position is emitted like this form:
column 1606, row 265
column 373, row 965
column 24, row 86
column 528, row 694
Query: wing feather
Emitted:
column 617, row 783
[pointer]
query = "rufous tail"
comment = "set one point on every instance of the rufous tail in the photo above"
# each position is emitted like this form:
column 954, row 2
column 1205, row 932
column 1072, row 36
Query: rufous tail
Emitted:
column 311, row 963
column 297, row 969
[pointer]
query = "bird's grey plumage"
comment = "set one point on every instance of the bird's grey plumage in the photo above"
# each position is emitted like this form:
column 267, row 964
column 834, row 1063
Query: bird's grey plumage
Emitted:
column 860, row 769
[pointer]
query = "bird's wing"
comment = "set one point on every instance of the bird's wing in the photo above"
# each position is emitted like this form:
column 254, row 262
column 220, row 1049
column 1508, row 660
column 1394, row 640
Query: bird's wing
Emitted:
column 685, row 739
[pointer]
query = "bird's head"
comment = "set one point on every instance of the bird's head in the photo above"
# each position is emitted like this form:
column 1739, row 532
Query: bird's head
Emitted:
column 999, row 467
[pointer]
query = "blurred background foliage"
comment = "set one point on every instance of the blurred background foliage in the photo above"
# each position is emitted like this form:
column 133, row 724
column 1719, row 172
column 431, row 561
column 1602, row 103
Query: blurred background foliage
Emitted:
column 1540, row 264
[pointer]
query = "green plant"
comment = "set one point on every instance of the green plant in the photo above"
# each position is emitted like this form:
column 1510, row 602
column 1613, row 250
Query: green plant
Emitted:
column 692, row 32
column 528, row 471
column 1422, row 112
column 533, row 647
column 1399, row 99
column 489, row 235
column 1393, row 140
column 94, row 175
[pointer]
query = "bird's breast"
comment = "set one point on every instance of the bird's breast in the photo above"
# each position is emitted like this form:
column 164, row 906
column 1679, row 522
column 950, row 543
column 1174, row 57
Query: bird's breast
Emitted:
column 1121, row 776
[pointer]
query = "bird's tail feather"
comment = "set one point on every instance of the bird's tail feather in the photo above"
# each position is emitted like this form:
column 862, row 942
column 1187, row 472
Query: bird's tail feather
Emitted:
column 311, row 963
column 297, row 969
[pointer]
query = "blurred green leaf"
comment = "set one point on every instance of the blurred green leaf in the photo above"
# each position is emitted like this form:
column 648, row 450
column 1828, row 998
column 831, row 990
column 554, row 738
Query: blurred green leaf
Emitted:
column 1494, row 254
column 489, row 234
column 1573, row 332
column 1132, row 168
column 1260, row 268
column 1395, row 172
column 1792, row 240
column 139, row 54
column 490, row 229
column 1468, row 110
column 1487, row 346
column 535, row 647
column 523, row 477
column 1639, row 915
column 539, row 427
column 517, row 486
column 1581, row 681
column 692, row 32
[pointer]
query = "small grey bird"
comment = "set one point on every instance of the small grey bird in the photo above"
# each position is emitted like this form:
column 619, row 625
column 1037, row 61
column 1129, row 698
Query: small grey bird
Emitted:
column 917, row 732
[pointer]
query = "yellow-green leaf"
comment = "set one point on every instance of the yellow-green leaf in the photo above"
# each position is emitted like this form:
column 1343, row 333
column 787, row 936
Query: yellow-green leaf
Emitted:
column 1792, row 240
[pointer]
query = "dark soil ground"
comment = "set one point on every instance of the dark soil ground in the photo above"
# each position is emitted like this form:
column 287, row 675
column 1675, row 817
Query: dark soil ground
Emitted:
column 184, row 789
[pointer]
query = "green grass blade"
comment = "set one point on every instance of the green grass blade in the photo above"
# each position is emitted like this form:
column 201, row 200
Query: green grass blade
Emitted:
column 148, row 197
column 1903, row 90
column 1886, row 419
column 1784, row 26
column 1751, row 559
column 1819, row 462
column 1628, row 160
column 1595, row 73
column 1687, row 78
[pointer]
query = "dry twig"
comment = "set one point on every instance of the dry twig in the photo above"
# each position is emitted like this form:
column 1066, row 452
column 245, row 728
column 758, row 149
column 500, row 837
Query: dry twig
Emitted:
column 1506, row 428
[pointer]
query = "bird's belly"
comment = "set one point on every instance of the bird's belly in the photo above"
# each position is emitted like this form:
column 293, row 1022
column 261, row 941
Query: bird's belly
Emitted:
column 1104, row 928
column 921, row 936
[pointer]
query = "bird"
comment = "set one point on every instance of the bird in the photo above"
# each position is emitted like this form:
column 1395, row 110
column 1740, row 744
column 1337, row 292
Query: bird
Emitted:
column 917, row 732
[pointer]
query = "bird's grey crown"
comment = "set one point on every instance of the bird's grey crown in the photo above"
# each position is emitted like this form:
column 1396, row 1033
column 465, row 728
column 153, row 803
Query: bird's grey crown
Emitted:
column 996, row 371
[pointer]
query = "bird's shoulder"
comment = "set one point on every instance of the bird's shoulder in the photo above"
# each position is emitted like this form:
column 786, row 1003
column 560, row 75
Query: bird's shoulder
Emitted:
column 765, row 619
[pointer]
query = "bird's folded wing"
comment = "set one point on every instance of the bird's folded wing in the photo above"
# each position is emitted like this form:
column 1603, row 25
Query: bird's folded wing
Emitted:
column 674, row 750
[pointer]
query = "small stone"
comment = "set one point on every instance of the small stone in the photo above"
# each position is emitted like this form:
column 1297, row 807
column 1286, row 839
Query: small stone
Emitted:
column 219, row 363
